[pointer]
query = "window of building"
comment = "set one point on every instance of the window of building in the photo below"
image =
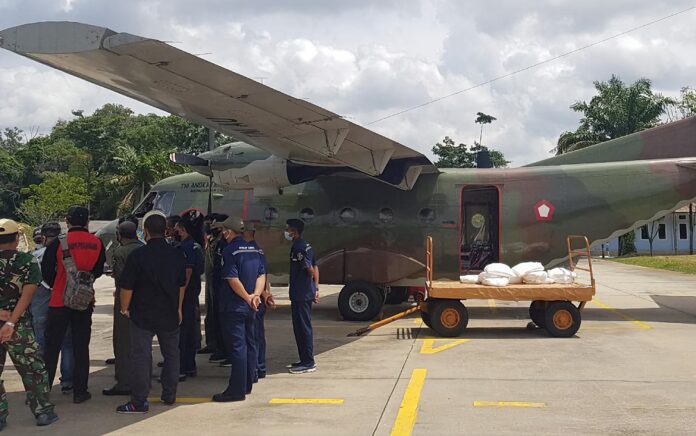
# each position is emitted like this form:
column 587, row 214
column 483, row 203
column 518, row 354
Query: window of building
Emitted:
column 682, row 217
column 682, row 231
column 307, row 214
column 386, row 215
column 270, row 214
column 347, row 215
column 644, row 233
column 426, row 215
column 662, row 232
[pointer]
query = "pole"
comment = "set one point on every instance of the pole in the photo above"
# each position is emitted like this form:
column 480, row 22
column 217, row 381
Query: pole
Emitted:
column 691, row 228
column 211, row 146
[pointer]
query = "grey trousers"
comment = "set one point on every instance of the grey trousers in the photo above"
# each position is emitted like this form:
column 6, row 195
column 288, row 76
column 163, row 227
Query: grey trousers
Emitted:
column 122, row 346
column 141, row 363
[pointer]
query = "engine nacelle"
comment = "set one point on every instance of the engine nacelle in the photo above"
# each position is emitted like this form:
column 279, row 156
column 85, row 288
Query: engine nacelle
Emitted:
column 265, row 176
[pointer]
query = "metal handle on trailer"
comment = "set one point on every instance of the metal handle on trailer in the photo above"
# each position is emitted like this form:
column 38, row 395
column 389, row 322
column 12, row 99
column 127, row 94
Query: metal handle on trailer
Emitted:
column 429, row 263
column 580, row 252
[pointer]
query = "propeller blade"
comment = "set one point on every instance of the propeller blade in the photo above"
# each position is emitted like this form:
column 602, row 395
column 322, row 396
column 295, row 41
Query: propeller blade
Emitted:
column 188, row 159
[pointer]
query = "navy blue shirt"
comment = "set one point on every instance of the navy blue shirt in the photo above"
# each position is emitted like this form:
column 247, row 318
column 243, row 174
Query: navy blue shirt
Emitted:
column 241, row 260
column 194, row 260
column 302, row 287
column 217, row 260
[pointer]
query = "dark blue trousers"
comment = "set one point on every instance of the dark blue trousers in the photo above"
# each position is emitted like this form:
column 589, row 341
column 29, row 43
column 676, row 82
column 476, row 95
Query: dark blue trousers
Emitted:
column 261, row 338
column 302, row 327
column 188, row 337
column 239, row 335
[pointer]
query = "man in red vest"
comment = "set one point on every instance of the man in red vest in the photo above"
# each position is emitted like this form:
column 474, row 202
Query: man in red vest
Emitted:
column 88, row 254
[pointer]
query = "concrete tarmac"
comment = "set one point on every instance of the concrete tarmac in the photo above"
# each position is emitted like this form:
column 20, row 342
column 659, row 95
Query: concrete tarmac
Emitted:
column 630, row 370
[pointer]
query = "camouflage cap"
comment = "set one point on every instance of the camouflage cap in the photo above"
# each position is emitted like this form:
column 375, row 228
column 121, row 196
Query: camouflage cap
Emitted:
column 231, row 223
column 8, row 227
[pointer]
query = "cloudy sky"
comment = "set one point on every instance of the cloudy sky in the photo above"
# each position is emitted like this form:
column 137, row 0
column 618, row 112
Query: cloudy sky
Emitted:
column 367, row 59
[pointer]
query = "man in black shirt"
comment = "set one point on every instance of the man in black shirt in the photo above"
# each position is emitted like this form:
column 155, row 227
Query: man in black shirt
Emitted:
column 152, row 292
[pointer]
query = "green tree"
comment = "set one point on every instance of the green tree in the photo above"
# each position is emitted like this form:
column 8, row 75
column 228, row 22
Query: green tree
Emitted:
column 11, row 174
column 482, row 119
column 50, row 200
column 462, row 156
column 617, row 110
column 684, row 106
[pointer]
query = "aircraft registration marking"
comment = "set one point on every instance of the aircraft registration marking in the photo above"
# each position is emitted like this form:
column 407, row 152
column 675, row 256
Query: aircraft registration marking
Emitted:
column 429, row 347
column 406, row 418
column 639, row 324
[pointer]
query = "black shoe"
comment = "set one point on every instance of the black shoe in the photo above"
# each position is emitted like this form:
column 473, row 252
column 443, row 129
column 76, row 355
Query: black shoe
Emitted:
column 262, row 374
column 66, row 390
column 191, row 373
column 206, row 350
column 46, row 418
column 81, row 398
column 216, row 358
column 293, row 365
column 131, row 407
column 223, row 398
column 226, row 363
column 168, row 401
column 110, row 361
column 160, row 364
column 115, row 391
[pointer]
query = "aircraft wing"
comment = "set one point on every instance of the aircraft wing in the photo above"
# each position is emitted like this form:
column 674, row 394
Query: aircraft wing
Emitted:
column 180, row 83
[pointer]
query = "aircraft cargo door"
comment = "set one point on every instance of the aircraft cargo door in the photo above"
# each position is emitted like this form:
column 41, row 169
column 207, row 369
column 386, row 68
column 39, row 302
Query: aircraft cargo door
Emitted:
column 479, row 227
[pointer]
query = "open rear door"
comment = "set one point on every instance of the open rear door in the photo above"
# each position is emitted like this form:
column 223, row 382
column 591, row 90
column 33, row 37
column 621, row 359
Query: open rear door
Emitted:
column 479, row 227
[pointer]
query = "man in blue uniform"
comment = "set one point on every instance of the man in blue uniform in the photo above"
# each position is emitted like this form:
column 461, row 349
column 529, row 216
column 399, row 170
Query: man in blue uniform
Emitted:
column 304, row 290
column 245, row 277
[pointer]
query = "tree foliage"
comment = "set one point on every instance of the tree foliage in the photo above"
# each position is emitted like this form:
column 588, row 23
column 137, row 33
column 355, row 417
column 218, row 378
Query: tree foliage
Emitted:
column 110, row 158
column 463, row 156
column 617, row 110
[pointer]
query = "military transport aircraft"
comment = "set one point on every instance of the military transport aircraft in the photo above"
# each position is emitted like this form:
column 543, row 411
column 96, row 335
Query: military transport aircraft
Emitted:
column 368, row 201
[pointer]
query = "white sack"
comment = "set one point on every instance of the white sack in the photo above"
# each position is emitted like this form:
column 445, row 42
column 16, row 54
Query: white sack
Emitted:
column 469, row 279
column 536, row 277
column 496, row 281
column 515, row 280
column 522, row 269
column 562, row 275
column 499, row 270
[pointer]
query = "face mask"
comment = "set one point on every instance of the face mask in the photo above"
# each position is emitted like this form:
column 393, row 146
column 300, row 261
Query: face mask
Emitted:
column 288, row 236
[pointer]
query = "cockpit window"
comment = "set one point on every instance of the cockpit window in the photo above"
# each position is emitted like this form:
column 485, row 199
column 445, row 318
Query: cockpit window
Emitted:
column 164, row 201
column 146, row 205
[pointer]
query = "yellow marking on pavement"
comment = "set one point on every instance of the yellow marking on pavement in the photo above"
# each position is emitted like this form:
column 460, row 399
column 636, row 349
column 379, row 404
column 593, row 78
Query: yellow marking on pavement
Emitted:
column 306, row 401
column 429, row 348
column 640, row 324
column 492, row 305
column 418, row 321
column 406, row 419
column 508, row 404
column 184, row 400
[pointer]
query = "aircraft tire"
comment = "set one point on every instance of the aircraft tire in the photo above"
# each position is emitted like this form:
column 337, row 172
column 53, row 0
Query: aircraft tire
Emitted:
column 536, row 313
column 562, row 319
column 360, row 301
column 448, row 317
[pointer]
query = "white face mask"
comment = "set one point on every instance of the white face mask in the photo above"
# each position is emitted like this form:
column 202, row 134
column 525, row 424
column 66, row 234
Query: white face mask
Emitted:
column 288, row 236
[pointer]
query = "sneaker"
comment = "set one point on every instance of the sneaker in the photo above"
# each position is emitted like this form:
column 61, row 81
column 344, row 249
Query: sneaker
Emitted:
column 224, row 398
column 110, row 361
column 81, row 398
column 215, row 358
column 262, row 374
column 226, row 363
column 46, row 418
column 66, row 389
column 293, row 365
column 131, row 407
column 115, row 391
column 303, row 369
column 168, row 401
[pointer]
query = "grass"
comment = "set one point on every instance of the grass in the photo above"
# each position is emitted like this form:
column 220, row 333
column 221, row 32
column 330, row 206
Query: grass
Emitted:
column 683, row 264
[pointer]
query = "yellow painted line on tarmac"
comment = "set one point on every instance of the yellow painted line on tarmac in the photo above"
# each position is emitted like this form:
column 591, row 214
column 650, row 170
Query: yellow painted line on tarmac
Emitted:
column 406, row 419
column 184, row 400
column 523, row 404
column 429, row 347
column 335, row 401
column 418, row 321
column 492, row 306
column 639, row 324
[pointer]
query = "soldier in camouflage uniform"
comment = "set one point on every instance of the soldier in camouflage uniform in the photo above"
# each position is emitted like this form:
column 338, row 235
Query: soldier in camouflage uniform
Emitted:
column 19, row 277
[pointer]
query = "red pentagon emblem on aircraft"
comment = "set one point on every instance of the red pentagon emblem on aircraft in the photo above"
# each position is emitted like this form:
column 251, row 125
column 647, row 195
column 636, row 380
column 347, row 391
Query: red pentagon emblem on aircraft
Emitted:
column 544, row 210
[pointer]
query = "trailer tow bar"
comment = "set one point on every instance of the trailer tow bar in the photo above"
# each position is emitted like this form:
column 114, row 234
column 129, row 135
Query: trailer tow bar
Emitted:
column 373, row 326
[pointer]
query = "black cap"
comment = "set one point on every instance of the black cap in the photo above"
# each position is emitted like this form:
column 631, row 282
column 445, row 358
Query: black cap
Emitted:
column 78, row 215
column 296, row 224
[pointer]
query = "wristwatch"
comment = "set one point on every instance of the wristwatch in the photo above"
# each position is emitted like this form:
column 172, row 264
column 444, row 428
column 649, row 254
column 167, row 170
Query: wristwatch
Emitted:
column 124, row 312
column 10, row 323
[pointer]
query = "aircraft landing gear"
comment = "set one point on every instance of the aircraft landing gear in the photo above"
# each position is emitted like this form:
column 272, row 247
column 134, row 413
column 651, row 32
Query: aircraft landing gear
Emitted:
column 360, row 301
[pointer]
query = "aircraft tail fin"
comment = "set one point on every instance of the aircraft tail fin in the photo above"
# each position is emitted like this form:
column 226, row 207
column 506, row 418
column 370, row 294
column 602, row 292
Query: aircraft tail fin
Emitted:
column 668, row 141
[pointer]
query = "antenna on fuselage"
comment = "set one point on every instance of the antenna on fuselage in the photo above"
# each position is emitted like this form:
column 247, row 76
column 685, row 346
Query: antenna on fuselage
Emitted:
column 211, row 146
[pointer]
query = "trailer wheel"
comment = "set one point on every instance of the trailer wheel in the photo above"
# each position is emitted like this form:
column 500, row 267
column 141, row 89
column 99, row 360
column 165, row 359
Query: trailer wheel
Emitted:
column 562, row 319
column 448, row 317
column 536, row 313
column 425, row 316
column 360, row 301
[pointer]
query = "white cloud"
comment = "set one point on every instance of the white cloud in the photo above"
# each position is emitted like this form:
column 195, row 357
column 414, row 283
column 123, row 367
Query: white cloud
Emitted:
column 366, row 59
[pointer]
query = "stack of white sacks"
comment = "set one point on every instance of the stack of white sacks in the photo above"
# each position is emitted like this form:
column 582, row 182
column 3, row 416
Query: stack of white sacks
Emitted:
column 499, row 274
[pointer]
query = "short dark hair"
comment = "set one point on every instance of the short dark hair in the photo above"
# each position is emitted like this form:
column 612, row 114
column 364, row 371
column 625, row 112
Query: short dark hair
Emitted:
column 6, row 239
column 296, row 224
column 155, row 225
column 128, row 230
column 78, row 216
column 172, row 220
column 51, row 229
column 130, row 217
